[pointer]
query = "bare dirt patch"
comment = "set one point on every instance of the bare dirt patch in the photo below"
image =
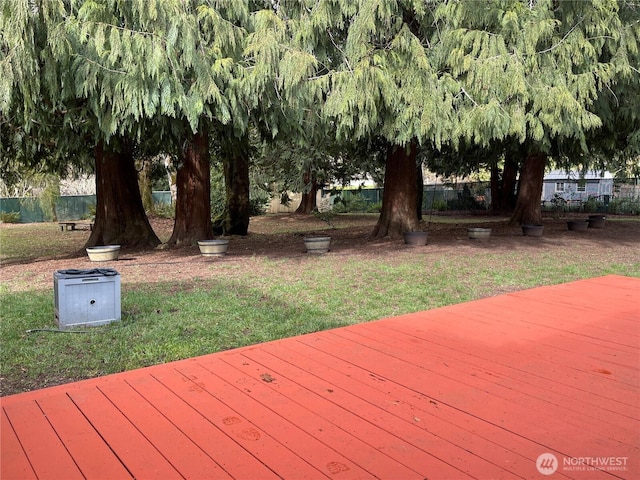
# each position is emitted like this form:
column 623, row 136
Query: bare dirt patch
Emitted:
column 280, row 237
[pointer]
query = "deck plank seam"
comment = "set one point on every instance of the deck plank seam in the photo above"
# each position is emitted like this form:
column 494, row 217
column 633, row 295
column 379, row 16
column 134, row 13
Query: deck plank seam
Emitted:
column 405, row 421
column 255, row 383
column 575, row 422
column 447, row 346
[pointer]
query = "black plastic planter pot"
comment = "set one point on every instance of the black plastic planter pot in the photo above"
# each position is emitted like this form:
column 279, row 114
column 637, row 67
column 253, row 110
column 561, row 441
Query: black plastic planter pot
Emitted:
column 415, row 238
column 578, row 225
column 596, row 221
column 532, row 230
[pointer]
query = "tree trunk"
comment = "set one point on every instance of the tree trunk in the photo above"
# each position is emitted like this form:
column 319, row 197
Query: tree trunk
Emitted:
column 193, row 200
column 144, row 183
column 399, row 198
column 528, row 209
column 120, row 217
column 508, row 185
column 503, row 186
column 308, row 202
column 236, row 179
column 419, row 190
column 496, row 192
column 171, row 177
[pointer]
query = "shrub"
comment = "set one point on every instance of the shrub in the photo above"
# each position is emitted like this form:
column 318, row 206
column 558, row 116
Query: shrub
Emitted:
column 9, row 217
column 375, row 207
column 258, row 205
column 350, row 203
column 439, row 205
column 164, row 210
column 592, row 204
column 630, row 205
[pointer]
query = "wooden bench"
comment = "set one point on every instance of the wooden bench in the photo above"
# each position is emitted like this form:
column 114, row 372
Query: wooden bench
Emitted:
column 75, row 226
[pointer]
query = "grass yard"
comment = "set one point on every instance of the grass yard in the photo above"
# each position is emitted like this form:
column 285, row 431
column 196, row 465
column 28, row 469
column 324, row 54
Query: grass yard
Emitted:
column 176, row 304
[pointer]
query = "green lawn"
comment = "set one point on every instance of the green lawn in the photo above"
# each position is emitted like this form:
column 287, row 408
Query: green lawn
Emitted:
column 259, row 299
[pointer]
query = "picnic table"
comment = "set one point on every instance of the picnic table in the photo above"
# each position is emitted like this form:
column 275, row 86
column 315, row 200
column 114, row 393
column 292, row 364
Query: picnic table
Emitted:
column 75, row 226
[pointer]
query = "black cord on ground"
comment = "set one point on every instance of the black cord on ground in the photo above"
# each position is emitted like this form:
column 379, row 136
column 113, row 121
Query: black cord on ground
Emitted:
column 55, row 330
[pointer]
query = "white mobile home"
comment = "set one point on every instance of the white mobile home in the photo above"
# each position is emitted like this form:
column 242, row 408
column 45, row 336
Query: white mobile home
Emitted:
column 576, row 187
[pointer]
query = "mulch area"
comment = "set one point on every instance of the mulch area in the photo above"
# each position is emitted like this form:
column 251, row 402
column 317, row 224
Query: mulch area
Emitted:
column 280, row 237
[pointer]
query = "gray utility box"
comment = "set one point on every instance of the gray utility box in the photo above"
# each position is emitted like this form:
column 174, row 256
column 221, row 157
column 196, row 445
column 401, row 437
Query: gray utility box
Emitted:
column 86, row 297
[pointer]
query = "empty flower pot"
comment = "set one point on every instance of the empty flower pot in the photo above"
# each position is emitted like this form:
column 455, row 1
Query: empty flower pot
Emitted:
column 532, row 230
column 317, row 245
column 415, row 238
column 213, row 248
column 578, row 225
column 103, row 253
column 596, row 221
column 477, row 233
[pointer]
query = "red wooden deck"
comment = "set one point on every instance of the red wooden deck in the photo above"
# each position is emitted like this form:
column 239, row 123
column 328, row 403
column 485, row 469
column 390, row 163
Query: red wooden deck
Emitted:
column 477, row 390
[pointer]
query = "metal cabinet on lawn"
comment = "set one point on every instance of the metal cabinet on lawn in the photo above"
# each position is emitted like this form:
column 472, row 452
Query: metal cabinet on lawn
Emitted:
column 86, row 297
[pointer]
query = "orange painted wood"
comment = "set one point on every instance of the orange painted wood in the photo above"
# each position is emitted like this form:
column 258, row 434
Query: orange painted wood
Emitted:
column 373, row 447
column 176, row 448
column 496, row 404
column 45, row 451
column 203, row 429
column 242, row 441
column 481, row 439
column 476, row 390
column 241, row 393
column 134, row 450
column 14, row 462
column 524, row 380
column 81, row 440
column 403, row 439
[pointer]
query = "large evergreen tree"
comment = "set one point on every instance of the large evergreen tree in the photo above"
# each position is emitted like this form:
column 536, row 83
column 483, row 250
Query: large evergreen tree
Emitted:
column 532, row 72
column 525, row 73
column 378, row 78
column 169, row 66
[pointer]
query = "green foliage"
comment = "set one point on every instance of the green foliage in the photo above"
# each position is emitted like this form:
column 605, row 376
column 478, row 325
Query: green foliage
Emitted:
column 258, row 198
column 375, row 207
column 544, row 73
column 629, row 206
column 350, row 203
column 439, row 205
column 9, row 217
column 592, row 204
column 258, row 205
column 218, row 197
column 48, row 197
column 531, row 73
column 164, row 210
column 242, row 306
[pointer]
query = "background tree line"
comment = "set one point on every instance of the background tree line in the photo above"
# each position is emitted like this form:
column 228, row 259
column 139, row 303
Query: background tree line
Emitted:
column 306, row 91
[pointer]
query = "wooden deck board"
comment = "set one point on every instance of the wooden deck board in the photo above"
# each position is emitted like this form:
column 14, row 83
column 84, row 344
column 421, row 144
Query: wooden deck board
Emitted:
column 476, row 390
column 523, row 382
column 92, row 456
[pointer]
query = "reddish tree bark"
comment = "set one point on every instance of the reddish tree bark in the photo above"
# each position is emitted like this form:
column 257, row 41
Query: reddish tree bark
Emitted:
column 503, row 186
column 308, row 202
column 144, row 183
column 509, row 183
column 528, row 209
column 236, row 176
column 193, row 200
column 120, row 216
column 496, row 191
column 419, row 190
column 399, row 213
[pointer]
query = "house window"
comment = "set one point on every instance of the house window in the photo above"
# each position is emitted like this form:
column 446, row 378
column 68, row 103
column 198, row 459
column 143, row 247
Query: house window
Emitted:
column 582, row 187
column 559, row 186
